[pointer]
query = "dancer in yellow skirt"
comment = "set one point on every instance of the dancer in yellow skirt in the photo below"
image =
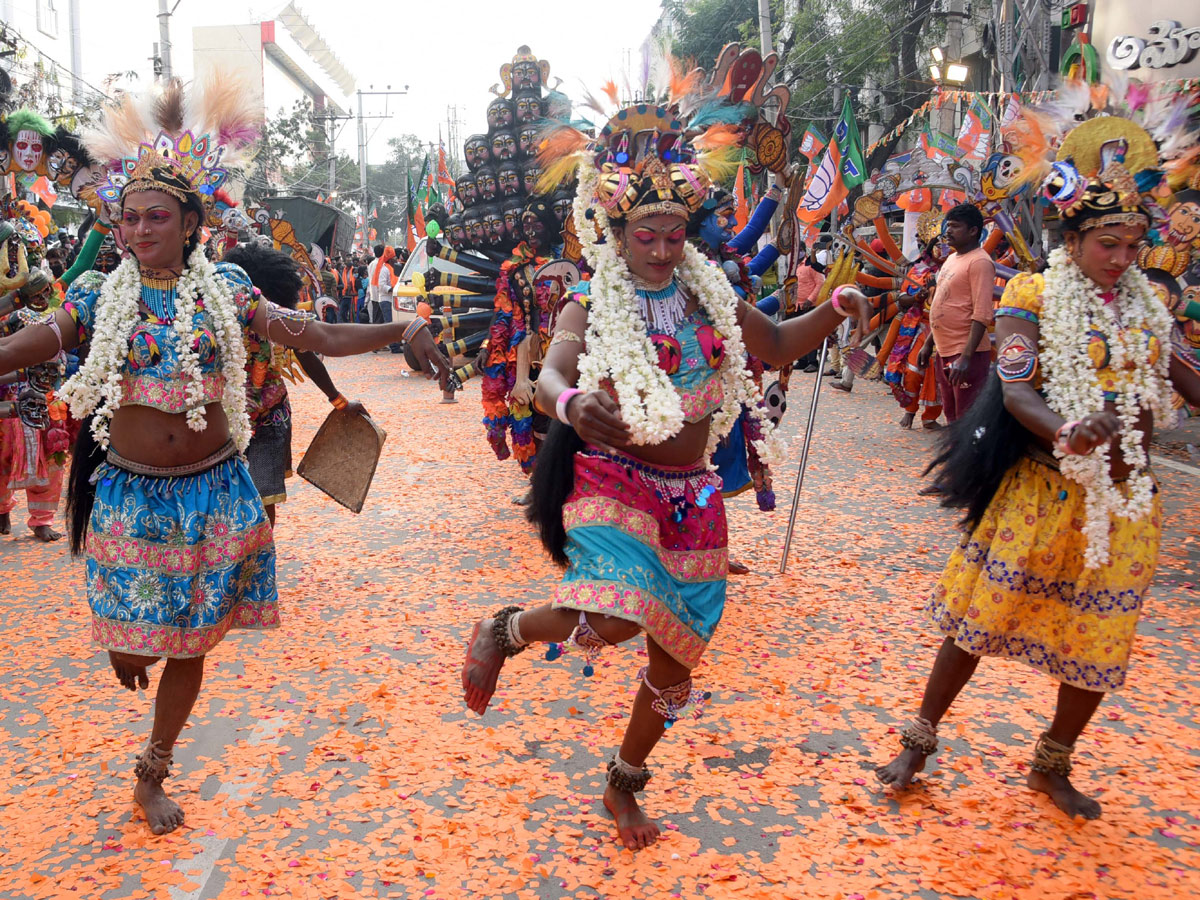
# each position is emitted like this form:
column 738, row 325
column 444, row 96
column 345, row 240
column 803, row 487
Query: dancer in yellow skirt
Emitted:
column 1051, row 466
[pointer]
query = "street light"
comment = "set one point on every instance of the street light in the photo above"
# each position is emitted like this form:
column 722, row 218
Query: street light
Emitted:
column 938, row 56
column 936, row 72
column 957, row 73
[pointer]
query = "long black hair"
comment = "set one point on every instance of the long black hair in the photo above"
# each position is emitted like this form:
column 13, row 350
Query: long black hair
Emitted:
column 976, row 453
column 553, row 481
column 81, row 492
column 272, row 271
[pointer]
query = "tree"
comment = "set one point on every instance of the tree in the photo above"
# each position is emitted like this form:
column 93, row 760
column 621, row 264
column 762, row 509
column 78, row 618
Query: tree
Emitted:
column 705, row 26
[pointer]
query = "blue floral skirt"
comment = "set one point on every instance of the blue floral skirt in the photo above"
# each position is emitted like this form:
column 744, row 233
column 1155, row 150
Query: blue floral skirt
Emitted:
column 175, row 562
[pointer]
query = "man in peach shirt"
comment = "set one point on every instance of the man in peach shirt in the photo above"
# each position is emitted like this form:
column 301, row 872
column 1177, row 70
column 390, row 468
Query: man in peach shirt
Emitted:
column 960, row 314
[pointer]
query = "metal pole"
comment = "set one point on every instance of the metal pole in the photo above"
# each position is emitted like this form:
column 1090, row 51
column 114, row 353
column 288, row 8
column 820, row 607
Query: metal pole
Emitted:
column 764, row 25
column 362, row 171
column 808, row 436
column 164, row 38
column 332, row 155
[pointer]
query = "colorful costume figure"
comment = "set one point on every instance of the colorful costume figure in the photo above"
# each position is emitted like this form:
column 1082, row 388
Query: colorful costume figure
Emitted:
column 36, row 438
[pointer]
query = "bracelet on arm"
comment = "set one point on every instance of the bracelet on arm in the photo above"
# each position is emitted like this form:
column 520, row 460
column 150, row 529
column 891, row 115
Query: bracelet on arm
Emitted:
column 413, row 328
column 560, row 406
column 1062, row 438
column 339, row 402
column 834, row 301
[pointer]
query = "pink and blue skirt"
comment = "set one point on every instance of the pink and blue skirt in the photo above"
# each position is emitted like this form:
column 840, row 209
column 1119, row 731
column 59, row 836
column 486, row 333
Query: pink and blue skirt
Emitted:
column 647, row 544
column 176, row 560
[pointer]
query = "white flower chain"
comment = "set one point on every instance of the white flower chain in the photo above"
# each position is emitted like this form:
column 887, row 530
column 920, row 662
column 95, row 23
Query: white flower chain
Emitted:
column 619, row 345
column 96, row 387
column 1071, row 306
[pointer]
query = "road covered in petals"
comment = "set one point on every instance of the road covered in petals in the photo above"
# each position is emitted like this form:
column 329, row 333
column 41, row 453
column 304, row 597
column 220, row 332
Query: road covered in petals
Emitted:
column 334, row 758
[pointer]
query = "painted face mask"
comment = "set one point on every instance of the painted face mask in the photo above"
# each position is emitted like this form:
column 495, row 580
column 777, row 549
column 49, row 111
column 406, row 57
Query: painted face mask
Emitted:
column 562, row 205
column 539, row 225
column 527, row 141
column 504, row 146
column 27, row 150
column 530, row 174
column 464, row 186
column 485, row 184
column 499, row 115
column 508, row 180
column 512, row 220
column 473, row 226
column 526, row 74
column 456, row 232
column 477, row 150
column 529, row 106
column 493, row 227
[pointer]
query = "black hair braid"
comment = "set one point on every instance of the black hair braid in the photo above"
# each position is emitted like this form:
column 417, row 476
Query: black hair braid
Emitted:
column 81, row 492
column 553, row 482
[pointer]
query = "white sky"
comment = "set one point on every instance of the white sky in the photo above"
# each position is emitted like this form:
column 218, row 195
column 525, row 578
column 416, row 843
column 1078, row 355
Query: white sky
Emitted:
column 446, row 51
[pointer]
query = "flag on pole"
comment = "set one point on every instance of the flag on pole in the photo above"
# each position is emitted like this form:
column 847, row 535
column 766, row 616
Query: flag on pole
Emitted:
column 45, row 191
column 812, row 142
column 974, row 138
column 320, row 197
column 374, row 212
column 841, row 168
column 443, row 168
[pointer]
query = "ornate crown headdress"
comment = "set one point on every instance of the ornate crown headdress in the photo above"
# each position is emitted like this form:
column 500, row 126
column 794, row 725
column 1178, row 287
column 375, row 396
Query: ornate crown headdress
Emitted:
column 181, row 144
column 1093, row 179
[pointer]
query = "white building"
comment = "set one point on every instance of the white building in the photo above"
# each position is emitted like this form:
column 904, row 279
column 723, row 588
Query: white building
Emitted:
column 45, row 36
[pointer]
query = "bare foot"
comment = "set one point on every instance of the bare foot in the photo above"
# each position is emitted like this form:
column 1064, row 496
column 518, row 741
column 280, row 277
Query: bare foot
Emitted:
column 1065, row 797
column 482, row 667
column 906, row 420
column 46, row 534
column 5, row 523
column 633, row 828
column 737, row 568
column 931, row 425
column 930, row 490
column 131, row 677
column 900, row 771
column 163, row 814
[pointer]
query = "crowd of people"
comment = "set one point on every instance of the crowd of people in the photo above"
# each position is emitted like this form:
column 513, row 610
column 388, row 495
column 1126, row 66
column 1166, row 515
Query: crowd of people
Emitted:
column 635, row 393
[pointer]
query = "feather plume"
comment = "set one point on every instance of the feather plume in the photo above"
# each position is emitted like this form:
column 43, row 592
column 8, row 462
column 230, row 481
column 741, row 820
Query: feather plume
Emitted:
column 1137, row 95
column 684, row 79
column 590, row 101
column 610, row 90
column 644, row 71
column 224, row 108
column 560, row 149
column 720, row 164
column 168, row 108
column 120, row 129
column 718, row 136
column 717, row 113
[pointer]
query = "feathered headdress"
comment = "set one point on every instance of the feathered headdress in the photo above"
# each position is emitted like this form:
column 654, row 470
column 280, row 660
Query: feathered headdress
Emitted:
column 176, row 142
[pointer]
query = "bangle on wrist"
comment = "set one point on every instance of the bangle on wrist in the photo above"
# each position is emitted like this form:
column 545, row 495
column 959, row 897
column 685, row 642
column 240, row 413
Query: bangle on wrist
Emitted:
column 414, row 326
column 835, row 301
column 339, row 402
column 1062, row 437
column 560, row 405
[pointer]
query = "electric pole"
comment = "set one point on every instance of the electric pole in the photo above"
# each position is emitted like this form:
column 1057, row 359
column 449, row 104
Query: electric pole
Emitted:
column 954, row 37
column 764, row 25
column 164, row 39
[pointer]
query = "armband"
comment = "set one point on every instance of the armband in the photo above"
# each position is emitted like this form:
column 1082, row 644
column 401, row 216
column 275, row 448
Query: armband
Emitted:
column 565, row 337
column 414, row 328
column 834, row 301
column 560, row 406
column 1016, row 358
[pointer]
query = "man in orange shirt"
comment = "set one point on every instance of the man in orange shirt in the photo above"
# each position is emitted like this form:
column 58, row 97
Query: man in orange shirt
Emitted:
column 960, row 314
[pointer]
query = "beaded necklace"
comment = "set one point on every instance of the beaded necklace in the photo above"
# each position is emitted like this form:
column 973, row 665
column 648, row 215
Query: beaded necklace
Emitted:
column 663, row 309
column 158, row 296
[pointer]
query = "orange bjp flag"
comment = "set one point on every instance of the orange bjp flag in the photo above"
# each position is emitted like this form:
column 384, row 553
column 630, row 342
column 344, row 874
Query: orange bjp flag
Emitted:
column 741, row 207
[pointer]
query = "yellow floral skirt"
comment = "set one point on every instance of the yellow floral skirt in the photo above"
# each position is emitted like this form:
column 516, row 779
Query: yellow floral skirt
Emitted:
column 1016, row 586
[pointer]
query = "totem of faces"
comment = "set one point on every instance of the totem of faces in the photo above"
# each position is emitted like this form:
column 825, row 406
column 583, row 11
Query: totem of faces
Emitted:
column 512, row 220
column 526, row 74
column 485, row 184
column 477, row 151
column 508, row 180
column 27, row 150
column 493, row 226
column 527, row 141
column 500, row 115
column 562, row 202
column 504, row 146
column 473, row 226
column 530, row 173
column 529, row 106
column 464, row 186
column 456, row 232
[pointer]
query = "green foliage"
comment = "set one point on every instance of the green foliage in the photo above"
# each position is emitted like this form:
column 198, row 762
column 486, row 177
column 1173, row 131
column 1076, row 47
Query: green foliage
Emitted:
column 705, row 26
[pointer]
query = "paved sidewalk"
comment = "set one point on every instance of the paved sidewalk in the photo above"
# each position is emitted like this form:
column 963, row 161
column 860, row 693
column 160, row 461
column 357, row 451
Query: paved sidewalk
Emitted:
column 333, row 757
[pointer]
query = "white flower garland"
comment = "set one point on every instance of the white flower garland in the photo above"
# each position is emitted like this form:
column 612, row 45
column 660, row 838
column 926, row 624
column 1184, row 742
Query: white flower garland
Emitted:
column 619, row 346
column 1071, row 305
column 96, row 387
